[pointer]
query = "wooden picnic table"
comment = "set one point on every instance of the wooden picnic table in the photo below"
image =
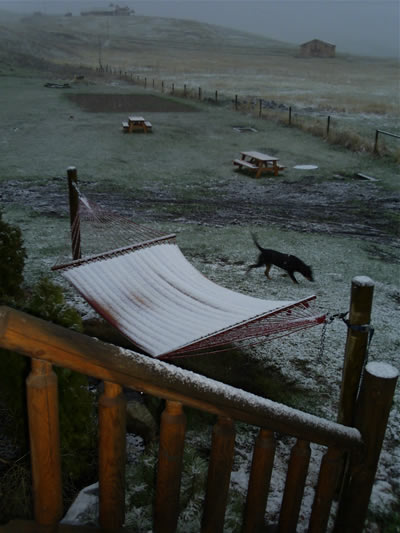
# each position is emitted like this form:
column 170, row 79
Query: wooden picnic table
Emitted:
column 137, row 123
column 258, row 162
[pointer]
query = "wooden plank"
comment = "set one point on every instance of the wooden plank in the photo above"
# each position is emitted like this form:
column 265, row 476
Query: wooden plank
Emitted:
column 28, row 526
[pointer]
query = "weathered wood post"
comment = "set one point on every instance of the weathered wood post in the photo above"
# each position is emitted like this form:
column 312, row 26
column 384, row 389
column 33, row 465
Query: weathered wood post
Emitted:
column 328, row 125
column 259, row 481
column 260, row 108
column 376, row 142
column 44, row 435
column 358, row 335
column 372, row 413
column 112, row 450
column 294, row 487
column 290, row 115
column 219, row 474
column 216, row 96
column 74, row 213
column 170, row 459
column 236, row 102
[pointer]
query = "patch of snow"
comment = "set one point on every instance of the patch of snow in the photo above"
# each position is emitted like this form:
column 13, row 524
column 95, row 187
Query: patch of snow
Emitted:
column 305, row 167
column 382, row 370
column 363, row 281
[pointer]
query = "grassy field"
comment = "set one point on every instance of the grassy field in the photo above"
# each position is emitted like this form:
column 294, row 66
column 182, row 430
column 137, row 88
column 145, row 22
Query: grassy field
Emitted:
column 180, row 178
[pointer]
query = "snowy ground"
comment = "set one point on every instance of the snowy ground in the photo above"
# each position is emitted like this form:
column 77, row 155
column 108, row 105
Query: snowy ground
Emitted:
column 181, row 180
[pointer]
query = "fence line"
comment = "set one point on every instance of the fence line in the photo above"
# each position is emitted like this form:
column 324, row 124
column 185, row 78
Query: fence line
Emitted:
column 199, row 94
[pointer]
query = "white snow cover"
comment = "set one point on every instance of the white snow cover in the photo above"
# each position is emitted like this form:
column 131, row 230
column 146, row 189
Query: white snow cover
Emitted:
column 363, row 281
column 382, row 370
column 156, row 298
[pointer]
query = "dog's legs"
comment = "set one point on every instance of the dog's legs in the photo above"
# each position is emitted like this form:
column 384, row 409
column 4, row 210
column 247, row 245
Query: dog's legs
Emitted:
column 291, row 274
column 267, row 269
column 259, row 264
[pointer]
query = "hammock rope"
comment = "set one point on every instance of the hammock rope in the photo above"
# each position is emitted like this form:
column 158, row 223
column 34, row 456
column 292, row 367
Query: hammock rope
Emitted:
column 148, row 290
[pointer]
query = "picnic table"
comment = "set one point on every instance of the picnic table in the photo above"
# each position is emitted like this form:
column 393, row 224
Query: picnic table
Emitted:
column 258, row 162
column 136, row 123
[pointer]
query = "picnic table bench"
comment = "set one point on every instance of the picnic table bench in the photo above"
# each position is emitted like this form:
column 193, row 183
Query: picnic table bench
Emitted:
column 136, row 123
column 259, row 163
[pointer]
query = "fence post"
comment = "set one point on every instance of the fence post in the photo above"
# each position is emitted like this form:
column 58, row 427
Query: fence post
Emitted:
column 42, row 400
column 170, row 459
column 236, row 102
column 358, row 334
column 290, row 116
column 74, row 217
column 112, row 446
column 216, row 96
column 219, row 473
column 328, row 125
column 173, row 88
column 199, row 93
column 260, row 108
column 376, row 142
column 145, row 83
column 372, row 413
column 184, row 89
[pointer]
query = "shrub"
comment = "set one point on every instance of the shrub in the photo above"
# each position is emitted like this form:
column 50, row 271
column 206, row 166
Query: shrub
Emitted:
column 12, row 253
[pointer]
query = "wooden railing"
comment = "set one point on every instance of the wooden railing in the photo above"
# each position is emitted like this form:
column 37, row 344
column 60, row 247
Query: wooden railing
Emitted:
column 358, row 447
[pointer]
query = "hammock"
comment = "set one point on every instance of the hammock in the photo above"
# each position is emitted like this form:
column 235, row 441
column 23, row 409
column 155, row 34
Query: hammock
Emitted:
column 151, row 293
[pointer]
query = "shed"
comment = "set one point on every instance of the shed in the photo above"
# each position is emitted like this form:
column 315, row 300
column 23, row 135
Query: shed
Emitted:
column 317, row 48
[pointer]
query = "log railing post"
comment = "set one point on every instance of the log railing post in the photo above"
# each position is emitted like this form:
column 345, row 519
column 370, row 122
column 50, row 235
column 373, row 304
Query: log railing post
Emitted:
column 331, row 467
column 372, row 412
column 219, row 474
column 170, row 460
column 112, row 450
column 358, row 335
column 294, row 487
column 259, row 481
column 42, row 399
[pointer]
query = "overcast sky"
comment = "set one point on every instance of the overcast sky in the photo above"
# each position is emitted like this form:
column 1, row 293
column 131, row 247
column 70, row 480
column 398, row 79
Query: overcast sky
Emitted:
column 359, row 26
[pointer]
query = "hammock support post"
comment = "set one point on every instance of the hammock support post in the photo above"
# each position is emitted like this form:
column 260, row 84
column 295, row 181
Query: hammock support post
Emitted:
column 74, row 213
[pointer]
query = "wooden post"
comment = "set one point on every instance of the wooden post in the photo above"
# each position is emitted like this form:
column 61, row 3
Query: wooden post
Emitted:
column 145, row 83
column 358, row 335
column 216, row 96
column 112, row 450
column 153, row 83
column 328, row 124
column 184, row 90
column 260, row 108
column 294, row 488
column 290, row 116
column 372, row 412
column 173, row 88
column 42, row 398
column 259, row 481
column 219, row 474
column 199, row 93
column 331, row 467
column 236, row 102
column 74, row 213
column 376, row 142
column 170, row 459
column 162, row 86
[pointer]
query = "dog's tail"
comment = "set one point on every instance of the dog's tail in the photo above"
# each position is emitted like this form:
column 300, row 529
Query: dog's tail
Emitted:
column 256, row 242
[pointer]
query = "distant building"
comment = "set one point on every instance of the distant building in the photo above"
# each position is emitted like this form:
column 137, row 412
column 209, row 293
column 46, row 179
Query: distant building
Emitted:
column 317, row 48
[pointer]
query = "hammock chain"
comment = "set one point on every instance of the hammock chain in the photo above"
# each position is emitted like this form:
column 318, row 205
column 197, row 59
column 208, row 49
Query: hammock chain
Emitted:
column 354, row 327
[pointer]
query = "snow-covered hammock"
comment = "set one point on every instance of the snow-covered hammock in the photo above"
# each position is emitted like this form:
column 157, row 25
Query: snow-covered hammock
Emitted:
column 153, row 295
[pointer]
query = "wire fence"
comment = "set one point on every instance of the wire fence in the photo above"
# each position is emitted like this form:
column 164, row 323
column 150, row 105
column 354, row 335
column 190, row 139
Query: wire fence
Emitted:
column 328, row 127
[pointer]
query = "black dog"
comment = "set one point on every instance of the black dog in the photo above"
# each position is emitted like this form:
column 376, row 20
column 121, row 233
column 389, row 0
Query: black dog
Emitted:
column 290, row 263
